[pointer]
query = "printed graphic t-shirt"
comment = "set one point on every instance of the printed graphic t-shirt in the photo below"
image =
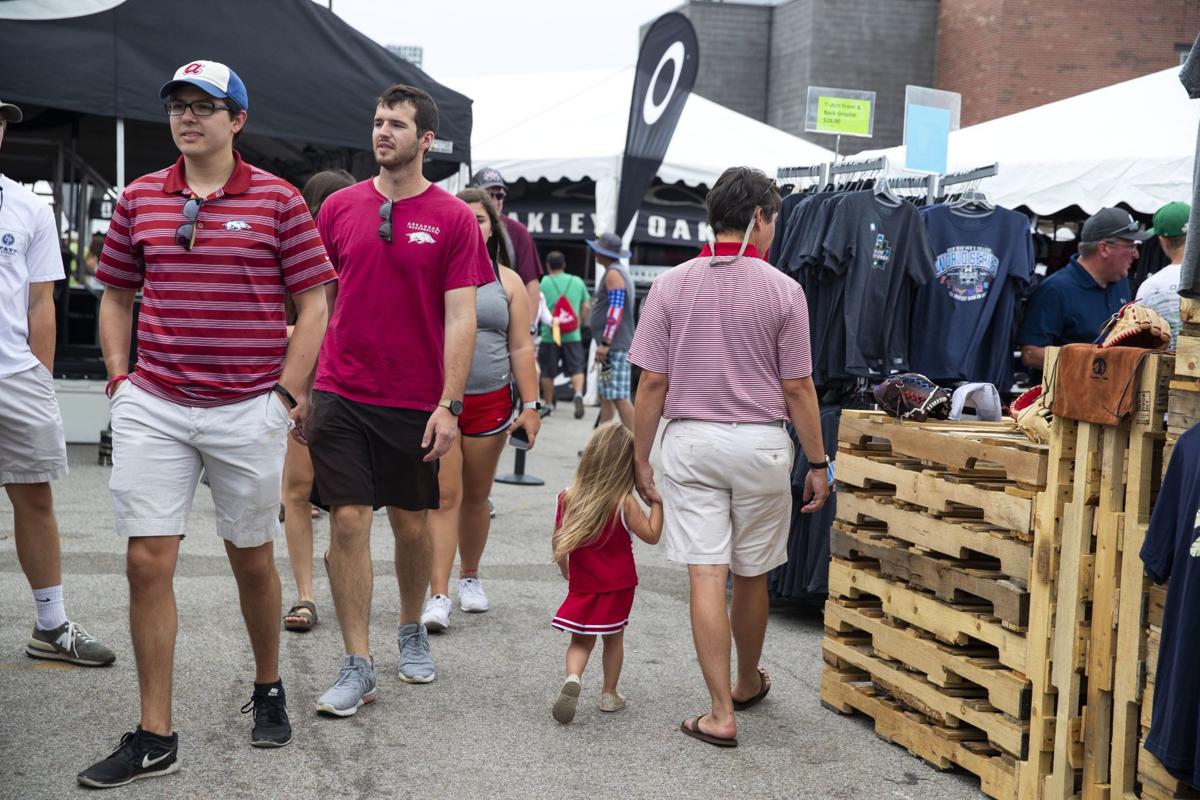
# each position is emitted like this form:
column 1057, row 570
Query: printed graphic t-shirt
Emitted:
column 883, row 253
column 29, row 253
column 385, row 342
column 976, row 260
column 1172, row 550
column 556, row 285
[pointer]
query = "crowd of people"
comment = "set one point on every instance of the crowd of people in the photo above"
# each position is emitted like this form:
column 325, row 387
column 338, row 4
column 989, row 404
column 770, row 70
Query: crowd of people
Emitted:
column 267, row 363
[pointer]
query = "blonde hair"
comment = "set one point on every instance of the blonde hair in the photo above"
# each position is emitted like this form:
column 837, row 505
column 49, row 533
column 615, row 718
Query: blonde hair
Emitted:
column 602, row 480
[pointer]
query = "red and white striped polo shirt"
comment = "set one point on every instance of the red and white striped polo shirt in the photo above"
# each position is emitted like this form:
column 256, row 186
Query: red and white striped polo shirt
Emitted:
column 212, row 329
column 726, row 332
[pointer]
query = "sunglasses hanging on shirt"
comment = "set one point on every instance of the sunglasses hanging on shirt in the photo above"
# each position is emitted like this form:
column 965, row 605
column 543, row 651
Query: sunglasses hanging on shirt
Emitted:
column 185, row 234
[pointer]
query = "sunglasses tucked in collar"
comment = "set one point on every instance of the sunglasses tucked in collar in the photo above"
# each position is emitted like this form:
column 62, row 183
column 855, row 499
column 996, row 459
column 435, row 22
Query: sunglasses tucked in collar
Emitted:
column 185, row 234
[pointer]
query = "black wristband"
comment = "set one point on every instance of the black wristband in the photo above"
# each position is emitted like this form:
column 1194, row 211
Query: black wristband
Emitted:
column 285, row 394
column 815, row 465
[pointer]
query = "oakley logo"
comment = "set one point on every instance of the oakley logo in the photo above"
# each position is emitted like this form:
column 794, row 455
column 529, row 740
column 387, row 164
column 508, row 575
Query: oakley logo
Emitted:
column 421, row 237
column 193, row 69
column 237, row 225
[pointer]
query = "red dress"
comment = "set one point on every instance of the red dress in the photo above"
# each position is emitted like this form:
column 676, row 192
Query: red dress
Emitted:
column 601, row 581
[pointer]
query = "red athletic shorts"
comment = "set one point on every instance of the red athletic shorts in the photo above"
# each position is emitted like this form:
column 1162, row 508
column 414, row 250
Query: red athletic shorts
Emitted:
column 486, row 414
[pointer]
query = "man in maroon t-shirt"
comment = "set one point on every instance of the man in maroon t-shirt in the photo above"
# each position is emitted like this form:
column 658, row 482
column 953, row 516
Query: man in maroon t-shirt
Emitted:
column 390, row 379
column 525, row 252
column 214, row 245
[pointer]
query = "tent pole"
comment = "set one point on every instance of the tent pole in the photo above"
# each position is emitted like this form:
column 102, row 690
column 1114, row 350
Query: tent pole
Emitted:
column 120, row 153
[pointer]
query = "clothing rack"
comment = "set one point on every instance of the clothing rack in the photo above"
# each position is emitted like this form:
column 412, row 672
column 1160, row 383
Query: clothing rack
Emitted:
column 826, row 172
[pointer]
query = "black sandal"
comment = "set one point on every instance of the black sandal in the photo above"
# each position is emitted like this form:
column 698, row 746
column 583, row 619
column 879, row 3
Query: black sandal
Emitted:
column 750, row 702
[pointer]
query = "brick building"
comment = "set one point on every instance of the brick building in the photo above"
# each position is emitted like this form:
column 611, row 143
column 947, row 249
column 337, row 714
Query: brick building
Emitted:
column 1003, row 56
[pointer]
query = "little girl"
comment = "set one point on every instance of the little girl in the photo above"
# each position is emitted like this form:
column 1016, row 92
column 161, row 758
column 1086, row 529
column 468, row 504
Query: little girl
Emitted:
column 593, row 548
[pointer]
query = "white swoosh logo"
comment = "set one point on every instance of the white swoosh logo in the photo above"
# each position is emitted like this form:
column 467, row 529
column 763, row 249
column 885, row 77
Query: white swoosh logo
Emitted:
column 148, row 762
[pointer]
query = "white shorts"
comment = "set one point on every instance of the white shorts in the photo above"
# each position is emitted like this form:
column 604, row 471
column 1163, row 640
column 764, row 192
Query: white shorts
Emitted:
column 159, row 448
column 727, row 494
column 33, row 447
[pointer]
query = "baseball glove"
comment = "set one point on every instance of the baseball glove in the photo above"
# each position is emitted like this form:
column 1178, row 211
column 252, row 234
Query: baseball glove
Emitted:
column 1032, row 413
column 913, row 396
column 1136, row 326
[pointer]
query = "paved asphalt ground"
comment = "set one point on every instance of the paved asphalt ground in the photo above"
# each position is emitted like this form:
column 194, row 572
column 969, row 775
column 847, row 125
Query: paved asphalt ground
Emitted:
column 482, row 730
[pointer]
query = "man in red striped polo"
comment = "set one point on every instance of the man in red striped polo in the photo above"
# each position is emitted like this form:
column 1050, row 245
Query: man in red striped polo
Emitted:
column 215, row 245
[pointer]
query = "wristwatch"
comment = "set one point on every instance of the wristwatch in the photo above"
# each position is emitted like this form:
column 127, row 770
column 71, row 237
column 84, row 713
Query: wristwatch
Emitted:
column 535, row 405
column 453, row 406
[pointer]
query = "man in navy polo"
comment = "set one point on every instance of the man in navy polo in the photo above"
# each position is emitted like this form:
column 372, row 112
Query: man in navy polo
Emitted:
column 1074, row 303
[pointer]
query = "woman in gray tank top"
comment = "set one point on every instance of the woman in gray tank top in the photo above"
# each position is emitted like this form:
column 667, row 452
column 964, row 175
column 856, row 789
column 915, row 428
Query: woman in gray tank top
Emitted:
column 503, row 356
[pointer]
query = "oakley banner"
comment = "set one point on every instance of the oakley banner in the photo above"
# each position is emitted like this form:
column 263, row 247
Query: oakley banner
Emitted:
column 666, row 71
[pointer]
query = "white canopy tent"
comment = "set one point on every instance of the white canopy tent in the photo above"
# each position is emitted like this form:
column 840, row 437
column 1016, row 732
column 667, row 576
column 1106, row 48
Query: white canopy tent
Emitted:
column 571, row 126
column 1132, row 143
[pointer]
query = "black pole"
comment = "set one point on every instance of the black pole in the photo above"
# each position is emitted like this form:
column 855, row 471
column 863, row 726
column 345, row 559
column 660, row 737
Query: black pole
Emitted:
column 518, row 477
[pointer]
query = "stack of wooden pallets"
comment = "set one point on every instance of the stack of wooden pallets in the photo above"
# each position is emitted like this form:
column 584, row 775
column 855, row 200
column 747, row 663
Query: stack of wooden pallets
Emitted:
column 1184, row 404
column 1089, row 600
column 982, row 586
column 929, row 589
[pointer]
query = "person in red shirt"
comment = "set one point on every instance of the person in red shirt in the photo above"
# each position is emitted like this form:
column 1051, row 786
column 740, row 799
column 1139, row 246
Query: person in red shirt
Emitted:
column 391, row 379
column 593, row 547
column 526, row 261
column 215, row 245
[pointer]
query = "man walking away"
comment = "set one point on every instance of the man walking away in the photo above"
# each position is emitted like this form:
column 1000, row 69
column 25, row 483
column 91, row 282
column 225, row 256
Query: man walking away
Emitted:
column 1161, row 290
column 612, row 325
column 566, row 296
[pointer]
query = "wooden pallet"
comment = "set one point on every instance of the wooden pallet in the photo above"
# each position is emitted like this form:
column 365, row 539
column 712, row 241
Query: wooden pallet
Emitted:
column 943, row 747
column 988, row 447
column 996, row 501
column 953, row 668
column 964, row 540
column 969, row 584
column 920, row 610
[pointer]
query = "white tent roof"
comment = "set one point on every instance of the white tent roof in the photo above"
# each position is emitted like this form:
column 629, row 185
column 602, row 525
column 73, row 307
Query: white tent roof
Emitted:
column 571, row 125
column 1132, row 142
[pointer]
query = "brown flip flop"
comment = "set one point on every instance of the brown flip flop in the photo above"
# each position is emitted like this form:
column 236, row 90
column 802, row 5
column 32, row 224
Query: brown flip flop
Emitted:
column 694, row 731
column 750, row 702
column 297, row 611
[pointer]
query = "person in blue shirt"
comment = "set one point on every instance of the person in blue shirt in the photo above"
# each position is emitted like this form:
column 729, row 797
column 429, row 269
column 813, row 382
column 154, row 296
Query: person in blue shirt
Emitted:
column 1074, row 303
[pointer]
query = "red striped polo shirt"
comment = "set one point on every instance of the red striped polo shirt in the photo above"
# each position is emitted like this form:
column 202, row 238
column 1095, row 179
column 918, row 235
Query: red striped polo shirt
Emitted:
column 212, row 329
column 725, row 331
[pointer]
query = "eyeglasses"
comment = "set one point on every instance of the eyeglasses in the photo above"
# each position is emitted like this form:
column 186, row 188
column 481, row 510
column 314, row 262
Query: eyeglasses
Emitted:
column 499, row 194
column 185, row 234
column 385, row 214
column 201, row 108
column 1122, row 243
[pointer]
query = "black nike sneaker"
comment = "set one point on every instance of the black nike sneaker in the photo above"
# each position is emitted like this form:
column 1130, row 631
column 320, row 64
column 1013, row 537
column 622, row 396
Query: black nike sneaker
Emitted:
column 140, row 755
column 271, row 725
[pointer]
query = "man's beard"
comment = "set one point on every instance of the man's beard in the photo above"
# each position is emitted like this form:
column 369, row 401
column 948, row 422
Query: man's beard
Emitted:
column 398, row 159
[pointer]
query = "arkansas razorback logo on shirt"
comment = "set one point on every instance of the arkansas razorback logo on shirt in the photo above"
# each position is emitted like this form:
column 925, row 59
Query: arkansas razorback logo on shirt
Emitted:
column 421, row 237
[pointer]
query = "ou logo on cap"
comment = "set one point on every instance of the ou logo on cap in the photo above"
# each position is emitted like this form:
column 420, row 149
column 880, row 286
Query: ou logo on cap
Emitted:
column 193, row 69
column 652, row 112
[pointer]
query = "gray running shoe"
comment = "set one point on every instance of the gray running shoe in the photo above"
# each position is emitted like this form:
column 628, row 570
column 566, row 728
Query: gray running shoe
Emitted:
column 416, row 662
column 69, row 642
column 353, row 689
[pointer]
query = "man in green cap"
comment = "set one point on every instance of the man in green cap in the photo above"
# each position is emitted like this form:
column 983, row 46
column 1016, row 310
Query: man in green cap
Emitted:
column 1161, row 290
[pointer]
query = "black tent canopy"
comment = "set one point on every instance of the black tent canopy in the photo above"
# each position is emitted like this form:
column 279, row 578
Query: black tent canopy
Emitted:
column 312, row 82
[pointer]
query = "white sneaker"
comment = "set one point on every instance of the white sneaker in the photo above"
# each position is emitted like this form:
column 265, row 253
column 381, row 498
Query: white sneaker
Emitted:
column 436, row 616
column 470, row 595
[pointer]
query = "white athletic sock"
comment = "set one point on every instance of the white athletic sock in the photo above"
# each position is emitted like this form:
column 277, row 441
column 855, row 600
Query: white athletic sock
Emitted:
column 50, row 611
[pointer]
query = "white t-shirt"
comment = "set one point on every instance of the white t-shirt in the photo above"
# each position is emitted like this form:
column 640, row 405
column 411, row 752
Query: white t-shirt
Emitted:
column 29, row 253
column 1161, row 292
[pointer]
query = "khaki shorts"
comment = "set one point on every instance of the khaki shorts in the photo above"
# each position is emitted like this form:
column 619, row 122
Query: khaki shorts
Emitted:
column 33, row 447
column 727, row 494
column 159, row 448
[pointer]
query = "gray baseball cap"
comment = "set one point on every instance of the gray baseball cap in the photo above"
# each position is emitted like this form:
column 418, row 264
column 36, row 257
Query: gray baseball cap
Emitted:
column 10, row 112
column 1112, row 223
